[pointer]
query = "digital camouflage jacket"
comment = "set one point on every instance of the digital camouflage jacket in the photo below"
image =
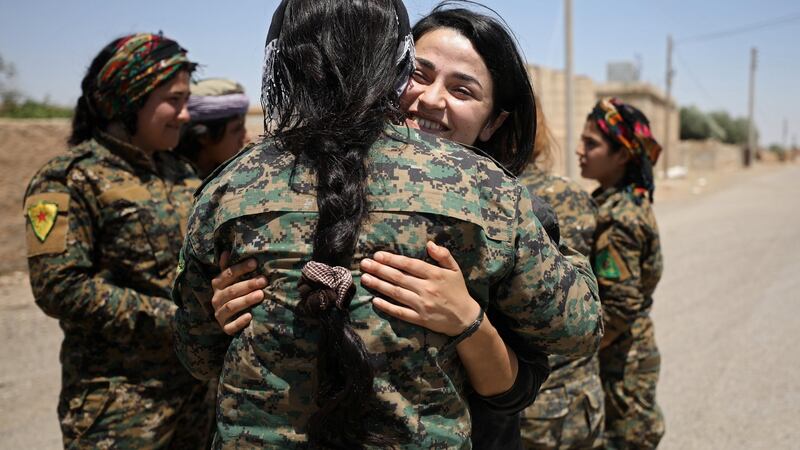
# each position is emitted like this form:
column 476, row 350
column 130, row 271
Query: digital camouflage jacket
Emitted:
column 420, row 188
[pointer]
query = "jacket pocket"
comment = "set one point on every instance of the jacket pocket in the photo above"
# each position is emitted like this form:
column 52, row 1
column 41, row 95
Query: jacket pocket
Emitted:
column 84, row 412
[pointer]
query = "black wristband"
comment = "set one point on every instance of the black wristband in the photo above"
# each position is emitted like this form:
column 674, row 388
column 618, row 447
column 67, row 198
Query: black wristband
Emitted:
column 469, row 331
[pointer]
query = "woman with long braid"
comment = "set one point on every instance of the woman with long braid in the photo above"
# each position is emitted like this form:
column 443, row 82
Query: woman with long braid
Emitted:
column 337, row 179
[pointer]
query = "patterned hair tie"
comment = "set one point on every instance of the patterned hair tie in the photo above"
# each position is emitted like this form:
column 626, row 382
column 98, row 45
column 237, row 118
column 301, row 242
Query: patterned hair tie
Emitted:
column 338, row 279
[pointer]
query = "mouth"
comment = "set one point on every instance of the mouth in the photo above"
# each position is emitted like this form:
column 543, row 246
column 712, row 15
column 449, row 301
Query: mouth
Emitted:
column 427, row 125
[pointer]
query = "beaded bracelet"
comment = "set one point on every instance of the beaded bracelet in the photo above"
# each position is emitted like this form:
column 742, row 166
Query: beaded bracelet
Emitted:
column 469, row 331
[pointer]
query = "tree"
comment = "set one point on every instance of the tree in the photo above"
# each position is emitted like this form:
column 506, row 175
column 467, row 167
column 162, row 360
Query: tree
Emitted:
column 735, row 128
column 694, row 124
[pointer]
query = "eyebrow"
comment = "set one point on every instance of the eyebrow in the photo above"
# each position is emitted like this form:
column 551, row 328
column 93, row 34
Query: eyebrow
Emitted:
column 459, row 75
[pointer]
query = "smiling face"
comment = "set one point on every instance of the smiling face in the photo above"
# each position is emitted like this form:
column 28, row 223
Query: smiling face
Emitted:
column 160, row 119
column 451, row 91
column 597, row 159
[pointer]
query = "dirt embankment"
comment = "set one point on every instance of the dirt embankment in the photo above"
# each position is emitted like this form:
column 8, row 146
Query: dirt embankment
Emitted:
column 25, row 145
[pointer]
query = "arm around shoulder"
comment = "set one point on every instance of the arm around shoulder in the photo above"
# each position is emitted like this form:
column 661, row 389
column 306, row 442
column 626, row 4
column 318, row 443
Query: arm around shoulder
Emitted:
column 553, row 305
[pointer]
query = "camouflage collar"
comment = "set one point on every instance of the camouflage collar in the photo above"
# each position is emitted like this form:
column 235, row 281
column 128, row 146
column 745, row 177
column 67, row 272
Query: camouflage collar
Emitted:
column 129, row 153
column 600, row 195
column 404, row 133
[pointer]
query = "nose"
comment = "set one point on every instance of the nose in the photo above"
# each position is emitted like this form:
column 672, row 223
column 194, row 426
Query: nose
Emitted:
column 433, row 97
column 579, row 150
column 183, row 115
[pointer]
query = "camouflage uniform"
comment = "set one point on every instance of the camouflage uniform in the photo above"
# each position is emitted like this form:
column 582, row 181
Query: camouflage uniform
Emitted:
column 420, row 188
column 627, row 262
column 568, row 412
column 105, row 226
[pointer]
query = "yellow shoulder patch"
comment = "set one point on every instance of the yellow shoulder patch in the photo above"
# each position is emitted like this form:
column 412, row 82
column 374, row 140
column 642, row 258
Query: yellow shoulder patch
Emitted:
column 47, row 219
column 42, row 217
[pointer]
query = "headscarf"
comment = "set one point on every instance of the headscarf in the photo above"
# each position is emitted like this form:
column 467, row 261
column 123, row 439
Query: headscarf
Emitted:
column 217, row 98
column 270, row 88
column 140, row 63
column 629, row 128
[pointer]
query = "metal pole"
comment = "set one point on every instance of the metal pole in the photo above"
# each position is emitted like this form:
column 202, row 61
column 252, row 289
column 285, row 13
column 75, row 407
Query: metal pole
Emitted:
column 668, row 109
column 785, row 141
column 569, row 92
column 751, row 135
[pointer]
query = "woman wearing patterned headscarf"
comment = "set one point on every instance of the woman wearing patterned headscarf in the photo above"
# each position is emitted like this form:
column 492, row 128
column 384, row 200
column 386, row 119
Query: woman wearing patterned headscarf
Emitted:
column 105, row 225
column 618, row 150
column 217, row 130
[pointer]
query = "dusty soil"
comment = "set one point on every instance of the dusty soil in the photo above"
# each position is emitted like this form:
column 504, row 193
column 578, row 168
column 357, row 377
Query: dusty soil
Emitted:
column 24, row 147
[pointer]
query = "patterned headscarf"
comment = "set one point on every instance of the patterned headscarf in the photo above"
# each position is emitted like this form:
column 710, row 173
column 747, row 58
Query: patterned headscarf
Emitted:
column 629, row 128
column 140, row 63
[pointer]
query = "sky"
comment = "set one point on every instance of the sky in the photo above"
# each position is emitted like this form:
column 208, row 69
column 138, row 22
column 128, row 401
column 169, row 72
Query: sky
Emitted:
column 51, row 43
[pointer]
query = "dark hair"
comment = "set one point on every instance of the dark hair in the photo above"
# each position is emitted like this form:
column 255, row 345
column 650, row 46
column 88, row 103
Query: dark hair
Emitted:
column 513, row 142
column 189, row 145
column 86, row 121
column 335, row 93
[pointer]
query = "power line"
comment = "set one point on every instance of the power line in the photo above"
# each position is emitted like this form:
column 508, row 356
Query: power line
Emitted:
column 741, row 29
column 695, row 79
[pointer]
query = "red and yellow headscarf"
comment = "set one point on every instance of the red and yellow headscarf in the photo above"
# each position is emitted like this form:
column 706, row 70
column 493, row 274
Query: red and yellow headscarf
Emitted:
column 629, row 128
column 140, row 63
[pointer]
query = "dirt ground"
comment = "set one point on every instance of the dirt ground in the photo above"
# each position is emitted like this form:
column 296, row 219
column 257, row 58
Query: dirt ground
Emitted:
column 24, row 147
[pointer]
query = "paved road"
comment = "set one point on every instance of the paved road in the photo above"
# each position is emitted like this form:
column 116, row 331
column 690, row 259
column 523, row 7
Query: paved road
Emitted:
column 727, row 315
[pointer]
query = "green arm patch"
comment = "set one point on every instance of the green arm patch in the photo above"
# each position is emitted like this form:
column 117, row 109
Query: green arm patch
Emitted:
column 605, row 266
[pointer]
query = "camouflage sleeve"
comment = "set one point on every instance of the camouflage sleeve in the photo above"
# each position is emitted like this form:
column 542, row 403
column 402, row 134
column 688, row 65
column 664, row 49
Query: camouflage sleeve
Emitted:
column 617, row 267
column 550, row 304
column 578, row 226
column 66, row 281
column 200, row 342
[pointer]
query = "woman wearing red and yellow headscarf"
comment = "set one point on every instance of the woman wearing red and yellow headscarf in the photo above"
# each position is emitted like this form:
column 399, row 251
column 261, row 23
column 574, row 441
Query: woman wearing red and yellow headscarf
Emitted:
column 618, row 150
column 105, row 225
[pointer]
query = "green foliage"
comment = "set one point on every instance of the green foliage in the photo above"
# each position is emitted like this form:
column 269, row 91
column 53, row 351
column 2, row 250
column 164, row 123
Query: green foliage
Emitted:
column 15, row 105
column 735, row 128
column 694, row 124
column 31, row 109
column 717, row 125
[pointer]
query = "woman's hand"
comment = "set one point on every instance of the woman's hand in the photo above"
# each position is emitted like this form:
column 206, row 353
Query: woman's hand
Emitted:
column 434, row 297
column 232, row 296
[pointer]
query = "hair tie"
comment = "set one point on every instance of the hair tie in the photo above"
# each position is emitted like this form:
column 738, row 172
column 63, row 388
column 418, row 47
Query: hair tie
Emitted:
column 338, row 279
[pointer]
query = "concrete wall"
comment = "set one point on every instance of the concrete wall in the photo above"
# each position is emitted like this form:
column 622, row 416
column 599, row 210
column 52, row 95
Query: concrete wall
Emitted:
column 550, row 88
column 709, row 155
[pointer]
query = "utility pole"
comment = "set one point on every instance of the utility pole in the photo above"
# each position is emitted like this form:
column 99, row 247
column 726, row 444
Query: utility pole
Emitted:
column 785, row 140
column 569, row 151
column 668, row 115
column 751, row 131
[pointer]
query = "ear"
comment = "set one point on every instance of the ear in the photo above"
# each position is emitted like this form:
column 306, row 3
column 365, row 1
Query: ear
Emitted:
column 622, row 157
column 493, row 125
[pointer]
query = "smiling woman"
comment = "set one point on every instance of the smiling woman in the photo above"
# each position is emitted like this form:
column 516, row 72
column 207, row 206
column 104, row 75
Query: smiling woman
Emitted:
column 106, row 222
column 451, row 93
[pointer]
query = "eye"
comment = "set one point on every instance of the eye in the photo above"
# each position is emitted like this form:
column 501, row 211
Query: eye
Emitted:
column 419, row 77
column 462, row 93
